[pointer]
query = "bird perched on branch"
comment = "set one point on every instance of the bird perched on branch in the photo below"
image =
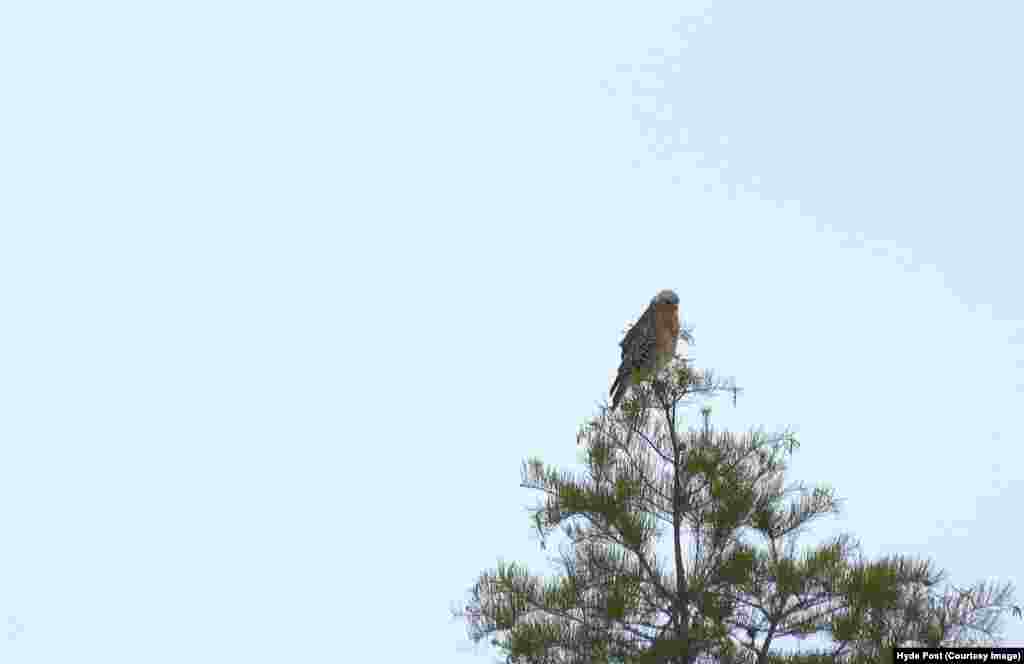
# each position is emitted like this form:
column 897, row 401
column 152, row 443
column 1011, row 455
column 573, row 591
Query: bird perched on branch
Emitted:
column 649, row 345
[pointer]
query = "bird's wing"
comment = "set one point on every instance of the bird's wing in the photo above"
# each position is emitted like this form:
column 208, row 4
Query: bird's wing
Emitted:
column 638, row 344
column 637, row 352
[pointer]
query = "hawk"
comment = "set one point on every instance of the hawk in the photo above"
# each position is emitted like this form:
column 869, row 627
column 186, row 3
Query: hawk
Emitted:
column 650, row 344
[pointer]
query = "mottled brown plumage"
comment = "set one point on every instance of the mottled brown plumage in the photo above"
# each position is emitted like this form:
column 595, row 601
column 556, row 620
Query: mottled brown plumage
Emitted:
column 650, row 344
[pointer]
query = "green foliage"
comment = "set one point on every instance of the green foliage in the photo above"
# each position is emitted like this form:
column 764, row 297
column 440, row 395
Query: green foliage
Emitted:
column 729, row 579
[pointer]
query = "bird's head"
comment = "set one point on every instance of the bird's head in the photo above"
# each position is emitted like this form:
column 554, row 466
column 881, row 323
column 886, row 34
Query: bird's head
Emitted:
column 665, row 297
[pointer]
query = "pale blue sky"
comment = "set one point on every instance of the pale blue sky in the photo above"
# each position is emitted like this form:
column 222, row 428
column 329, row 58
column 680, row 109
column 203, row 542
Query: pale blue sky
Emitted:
column 290, row 289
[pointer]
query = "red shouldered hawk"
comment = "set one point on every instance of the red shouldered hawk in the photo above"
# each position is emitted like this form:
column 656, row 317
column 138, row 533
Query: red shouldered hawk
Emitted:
column 650, row 344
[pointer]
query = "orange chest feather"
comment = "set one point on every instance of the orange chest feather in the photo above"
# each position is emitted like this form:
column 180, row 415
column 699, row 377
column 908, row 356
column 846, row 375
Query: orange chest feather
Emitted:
column 666, row 326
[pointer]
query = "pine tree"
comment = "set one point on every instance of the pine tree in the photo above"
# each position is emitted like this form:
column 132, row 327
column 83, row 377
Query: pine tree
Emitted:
column 731, row 580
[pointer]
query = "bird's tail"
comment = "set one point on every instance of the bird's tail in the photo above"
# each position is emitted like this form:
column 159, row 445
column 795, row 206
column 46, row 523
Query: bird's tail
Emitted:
column 618, row 390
